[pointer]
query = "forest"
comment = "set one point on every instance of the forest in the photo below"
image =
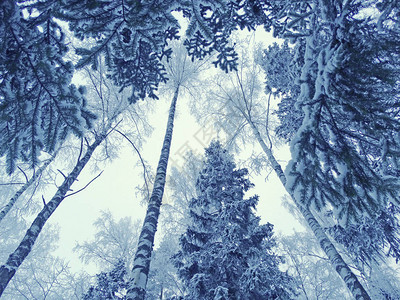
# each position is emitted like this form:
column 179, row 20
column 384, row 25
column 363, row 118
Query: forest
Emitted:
column 222, row 150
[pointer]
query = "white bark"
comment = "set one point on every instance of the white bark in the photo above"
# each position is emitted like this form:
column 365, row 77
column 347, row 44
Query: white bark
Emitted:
column 335, row 258
column 6, row 209
column 16, row 258
column 141, row 265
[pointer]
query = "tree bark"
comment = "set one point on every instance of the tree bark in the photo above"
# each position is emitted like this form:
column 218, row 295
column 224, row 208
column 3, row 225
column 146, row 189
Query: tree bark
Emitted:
column 16, row 258
column 349, row 278
column 14, row 198
column 141, row 264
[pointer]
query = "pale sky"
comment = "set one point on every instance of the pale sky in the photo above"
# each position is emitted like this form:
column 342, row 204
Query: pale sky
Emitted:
column 114, row 190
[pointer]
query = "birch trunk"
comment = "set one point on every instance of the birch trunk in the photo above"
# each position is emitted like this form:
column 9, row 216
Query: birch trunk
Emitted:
column 14, row 198
column 16, row 258
column 141, row 264
column 351, row 280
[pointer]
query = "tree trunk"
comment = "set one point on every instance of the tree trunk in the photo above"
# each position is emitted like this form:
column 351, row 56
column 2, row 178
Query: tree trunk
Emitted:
column 333, row 255
column 14, row 198
column 141, row 264
column 16, row 258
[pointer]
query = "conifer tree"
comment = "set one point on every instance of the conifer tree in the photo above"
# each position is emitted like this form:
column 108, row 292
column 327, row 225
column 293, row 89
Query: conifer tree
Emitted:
column 225, row 253
column 109, row 285
column 242, row 103
column 134, row 36
column 345, row 148
column 38, row 104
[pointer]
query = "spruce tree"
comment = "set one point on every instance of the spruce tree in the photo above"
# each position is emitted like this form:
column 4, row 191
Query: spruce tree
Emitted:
column 109, row 285
column 225, row 253
column 39, row 106
column 345, row 150
column 345, row 147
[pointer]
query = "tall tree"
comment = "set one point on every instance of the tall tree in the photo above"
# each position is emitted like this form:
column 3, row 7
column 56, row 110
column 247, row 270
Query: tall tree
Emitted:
column 43, row 275
column 36, row 175
column 110, row 111
column 377, row 274
column 39, row 106
column 182, row 71
column 242, row 103
column 310, row 267
column 225, row 253
column 16, row 258
column 345, row 149
column 141, row 267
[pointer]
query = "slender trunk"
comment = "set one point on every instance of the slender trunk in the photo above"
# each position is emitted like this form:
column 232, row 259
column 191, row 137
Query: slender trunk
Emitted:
column 141, row 264
column 14, row 198
column 161, row 292
column 335, row 258
column 16, row 258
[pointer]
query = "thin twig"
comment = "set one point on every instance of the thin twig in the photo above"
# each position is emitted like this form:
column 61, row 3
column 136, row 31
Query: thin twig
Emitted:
column 267, row 121
column 317, row 256
column 80, row 151
column 141, row 159
column 26, row 177
column 13, row 183
column 80, row 190
column 65, row 177
column 114, row 128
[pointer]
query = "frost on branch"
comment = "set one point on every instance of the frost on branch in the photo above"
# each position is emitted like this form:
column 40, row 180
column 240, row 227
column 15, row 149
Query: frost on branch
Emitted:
column 225, row 252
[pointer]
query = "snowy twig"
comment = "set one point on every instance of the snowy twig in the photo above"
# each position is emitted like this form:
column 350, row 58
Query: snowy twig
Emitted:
column 317, row 256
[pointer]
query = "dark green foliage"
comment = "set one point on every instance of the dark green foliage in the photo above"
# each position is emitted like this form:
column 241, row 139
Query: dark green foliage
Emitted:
column 282, row 66
column 211, row 24
column 132, row 36
column 38, row 105
column 373, row 238
column 343, row 75
column 349, row 144
column 342, row 78
column 225, row 252
column 109, row 285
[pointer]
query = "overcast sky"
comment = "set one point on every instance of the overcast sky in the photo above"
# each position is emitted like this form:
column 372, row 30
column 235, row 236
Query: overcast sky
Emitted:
column 114, row 190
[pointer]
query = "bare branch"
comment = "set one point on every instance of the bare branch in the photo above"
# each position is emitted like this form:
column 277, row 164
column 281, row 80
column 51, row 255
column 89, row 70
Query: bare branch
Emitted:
column 141, row 159
column 65, row 177
column 80, row 151
column 26, row 177
column 267, row 121
column 12, row 183
column 80, row 190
